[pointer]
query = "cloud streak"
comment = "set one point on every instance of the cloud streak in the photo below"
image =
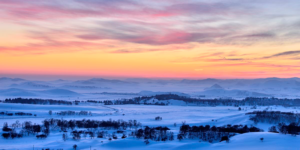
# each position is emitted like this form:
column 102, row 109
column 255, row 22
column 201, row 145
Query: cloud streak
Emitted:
column 283, row 54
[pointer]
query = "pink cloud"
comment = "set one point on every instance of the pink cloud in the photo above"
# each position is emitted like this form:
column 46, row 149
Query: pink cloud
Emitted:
column 141, row 22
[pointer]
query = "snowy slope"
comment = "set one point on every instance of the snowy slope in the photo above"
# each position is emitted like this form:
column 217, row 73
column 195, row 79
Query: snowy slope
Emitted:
column 146, row 114
column 16, row 92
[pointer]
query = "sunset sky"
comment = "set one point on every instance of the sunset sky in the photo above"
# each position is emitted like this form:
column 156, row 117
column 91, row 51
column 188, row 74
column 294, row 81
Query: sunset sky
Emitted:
column 151, row 38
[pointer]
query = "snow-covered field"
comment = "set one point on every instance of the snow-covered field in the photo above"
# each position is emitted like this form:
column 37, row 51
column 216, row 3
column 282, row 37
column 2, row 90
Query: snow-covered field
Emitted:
column 177, row 112
column 145, row 114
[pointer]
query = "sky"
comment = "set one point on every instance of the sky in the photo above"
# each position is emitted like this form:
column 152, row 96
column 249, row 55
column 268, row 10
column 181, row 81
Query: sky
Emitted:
column 150, row 38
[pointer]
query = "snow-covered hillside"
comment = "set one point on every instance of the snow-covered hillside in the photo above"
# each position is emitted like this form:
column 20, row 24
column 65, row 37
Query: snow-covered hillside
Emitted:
column 192, row 115
column 165, row 107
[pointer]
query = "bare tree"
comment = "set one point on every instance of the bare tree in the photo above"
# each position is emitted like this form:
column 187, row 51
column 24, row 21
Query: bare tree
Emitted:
column 65, row 136
column 75, row 147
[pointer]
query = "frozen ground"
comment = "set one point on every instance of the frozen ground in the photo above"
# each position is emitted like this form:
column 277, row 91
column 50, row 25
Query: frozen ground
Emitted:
column 176, row 113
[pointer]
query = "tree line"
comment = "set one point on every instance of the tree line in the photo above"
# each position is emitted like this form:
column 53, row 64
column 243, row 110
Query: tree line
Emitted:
column 274, row 117
column 155, row 133
column 292, row 128
column 250, row 101
column 17, row 114
column 42, row 131
column 37, row 101
column 213, row 134
column 69, row 112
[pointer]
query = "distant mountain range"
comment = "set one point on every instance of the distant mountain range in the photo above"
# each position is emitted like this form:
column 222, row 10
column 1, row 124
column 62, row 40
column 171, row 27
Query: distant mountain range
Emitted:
column 151, row 93
column 13, row 92
column 219, row 93
column 264, row 87
column 101, row 81
column 5, row 79
column 215, row 86
column 35, row 85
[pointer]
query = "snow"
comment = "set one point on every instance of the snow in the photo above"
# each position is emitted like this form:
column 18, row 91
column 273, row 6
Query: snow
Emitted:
column 248, row 141
column 192, row 115
column 176, row 112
